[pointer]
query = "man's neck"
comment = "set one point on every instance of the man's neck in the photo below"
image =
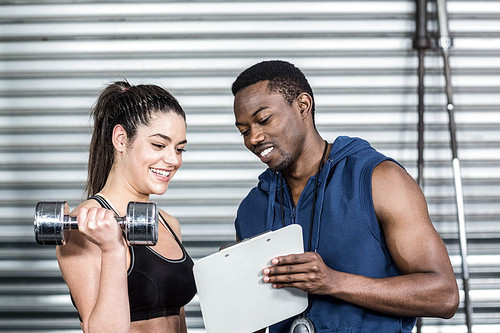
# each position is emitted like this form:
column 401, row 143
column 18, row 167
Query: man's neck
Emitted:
column 307, row 165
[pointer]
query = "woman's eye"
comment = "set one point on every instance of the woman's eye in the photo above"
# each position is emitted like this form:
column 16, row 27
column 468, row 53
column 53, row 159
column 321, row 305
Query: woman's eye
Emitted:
column 181, row 150
column 159, row 146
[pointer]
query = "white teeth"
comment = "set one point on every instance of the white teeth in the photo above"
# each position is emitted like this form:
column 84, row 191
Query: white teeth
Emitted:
column 265, row 152
column 160, row 172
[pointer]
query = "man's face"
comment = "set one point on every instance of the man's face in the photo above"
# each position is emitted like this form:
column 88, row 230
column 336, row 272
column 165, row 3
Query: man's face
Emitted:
column 271, row 128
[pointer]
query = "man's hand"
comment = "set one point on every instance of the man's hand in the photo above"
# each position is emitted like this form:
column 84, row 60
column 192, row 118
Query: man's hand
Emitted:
column 305, row 271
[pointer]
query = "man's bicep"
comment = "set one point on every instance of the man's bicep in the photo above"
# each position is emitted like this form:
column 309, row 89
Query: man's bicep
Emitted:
column 402, row 211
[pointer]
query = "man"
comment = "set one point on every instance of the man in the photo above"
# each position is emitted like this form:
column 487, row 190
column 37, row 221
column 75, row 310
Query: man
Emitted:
column 373, row 259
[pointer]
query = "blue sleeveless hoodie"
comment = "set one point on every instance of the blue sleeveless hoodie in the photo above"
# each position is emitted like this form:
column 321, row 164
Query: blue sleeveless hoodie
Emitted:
column 345, row 232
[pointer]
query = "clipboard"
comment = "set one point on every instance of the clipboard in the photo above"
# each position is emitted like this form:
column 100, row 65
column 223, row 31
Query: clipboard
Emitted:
column 233, row 298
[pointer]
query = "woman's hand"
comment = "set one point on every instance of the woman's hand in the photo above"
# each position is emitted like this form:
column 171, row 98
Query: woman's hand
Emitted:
column 100, row 227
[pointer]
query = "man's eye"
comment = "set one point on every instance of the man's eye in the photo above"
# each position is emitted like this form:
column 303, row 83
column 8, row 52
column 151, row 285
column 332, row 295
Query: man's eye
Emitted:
column 264, row 120
column 244, row 133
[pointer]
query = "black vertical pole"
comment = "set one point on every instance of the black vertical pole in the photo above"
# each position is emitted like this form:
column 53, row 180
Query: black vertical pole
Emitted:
column 421, row 42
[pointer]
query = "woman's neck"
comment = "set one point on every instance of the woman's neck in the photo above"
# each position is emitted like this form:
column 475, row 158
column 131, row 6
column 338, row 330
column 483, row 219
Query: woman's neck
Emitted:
column 118, row 192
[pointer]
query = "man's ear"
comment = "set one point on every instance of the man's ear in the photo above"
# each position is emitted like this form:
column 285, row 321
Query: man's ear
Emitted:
column 304, row 102
column 119, row 138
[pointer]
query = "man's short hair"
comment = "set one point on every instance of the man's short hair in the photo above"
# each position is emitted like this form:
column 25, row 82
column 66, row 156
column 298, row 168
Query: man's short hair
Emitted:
column 284, row 78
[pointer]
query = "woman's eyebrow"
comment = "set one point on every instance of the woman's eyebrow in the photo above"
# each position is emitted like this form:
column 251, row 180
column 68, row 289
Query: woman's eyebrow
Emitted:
column 167, row 138
column 163, row 136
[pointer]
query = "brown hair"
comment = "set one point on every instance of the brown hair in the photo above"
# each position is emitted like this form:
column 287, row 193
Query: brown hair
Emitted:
column 129, row 106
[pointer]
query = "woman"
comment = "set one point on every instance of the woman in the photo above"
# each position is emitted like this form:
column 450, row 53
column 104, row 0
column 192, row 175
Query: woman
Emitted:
column 136, row 148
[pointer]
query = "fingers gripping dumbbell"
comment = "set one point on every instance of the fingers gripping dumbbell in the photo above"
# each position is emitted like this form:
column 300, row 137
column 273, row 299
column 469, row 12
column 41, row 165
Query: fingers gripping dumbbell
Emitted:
column 52, row 222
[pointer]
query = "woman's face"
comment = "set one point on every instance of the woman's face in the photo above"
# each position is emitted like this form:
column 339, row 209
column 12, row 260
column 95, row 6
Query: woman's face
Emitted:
column 155, row 154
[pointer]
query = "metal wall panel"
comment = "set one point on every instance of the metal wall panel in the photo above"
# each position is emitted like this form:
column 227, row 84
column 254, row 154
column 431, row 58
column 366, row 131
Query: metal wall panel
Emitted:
column 55, row 56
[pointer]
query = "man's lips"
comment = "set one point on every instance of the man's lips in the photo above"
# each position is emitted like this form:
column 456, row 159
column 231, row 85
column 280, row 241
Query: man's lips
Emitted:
column 265, row 154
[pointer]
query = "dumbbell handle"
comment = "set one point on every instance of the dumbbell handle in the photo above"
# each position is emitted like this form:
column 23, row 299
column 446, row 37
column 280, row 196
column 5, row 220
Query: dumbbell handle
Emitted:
column 70, row 222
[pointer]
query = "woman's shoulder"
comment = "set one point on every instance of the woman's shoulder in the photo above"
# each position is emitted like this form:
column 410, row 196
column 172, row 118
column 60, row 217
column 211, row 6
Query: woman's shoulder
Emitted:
column 167, row 216
column 172, row 222
column 89, row 203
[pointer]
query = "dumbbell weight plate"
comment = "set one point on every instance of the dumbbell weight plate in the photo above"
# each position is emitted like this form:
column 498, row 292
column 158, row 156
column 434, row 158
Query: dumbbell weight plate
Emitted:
column 143, row 216
column 51, row 231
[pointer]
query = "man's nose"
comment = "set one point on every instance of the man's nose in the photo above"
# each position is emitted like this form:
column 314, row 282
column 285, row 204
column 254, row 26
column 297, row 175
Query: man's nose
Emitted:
column 256, row 138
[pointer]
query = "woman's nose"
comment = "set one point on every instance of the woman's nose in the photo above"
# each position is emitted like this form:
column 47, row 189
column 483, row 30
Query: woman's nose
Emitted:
column 171, row 157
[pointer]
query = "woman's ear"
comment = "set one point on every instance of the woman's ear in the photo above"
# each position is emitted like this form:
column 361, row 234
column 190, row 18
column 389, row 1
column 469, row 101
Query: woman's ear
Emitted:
column 119, row 138
column 304, row 102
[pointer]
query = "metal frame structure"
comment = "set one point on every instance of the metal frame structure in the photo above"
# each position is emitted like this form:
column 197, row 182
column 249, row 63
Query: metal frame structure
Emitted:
column 444, row 42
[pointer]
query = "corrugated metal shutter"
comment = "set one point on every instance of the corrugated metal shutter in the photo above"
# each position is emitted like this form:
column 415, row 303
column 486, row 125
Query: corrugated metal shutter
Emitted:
column 55, row 57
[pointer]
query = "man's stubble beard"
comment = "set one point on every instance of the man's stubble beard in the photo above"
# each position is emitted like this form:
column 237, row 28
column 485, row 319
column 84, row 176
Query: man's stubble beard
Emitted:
column 285, row 163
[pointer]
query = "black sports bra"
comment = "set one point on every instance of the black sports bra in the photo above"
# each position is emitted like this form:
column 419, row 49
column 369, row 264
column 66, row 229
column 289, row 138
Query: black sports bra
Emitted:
column 157, row 286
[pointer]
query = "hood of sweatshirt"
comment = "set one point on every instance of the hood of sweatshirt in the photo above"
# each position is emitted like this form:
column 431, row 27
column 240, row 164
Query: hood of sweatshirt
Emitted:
column 342, row 147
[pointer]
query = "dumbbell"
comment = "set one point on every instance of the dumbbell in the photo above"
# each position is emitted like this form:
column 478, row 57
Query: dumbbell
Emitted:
column 52, row 223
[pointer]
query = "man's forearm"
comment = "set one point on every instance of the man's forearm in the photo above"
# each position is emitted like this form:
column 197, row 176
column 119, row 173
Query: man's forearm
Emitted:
column 416, row 294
